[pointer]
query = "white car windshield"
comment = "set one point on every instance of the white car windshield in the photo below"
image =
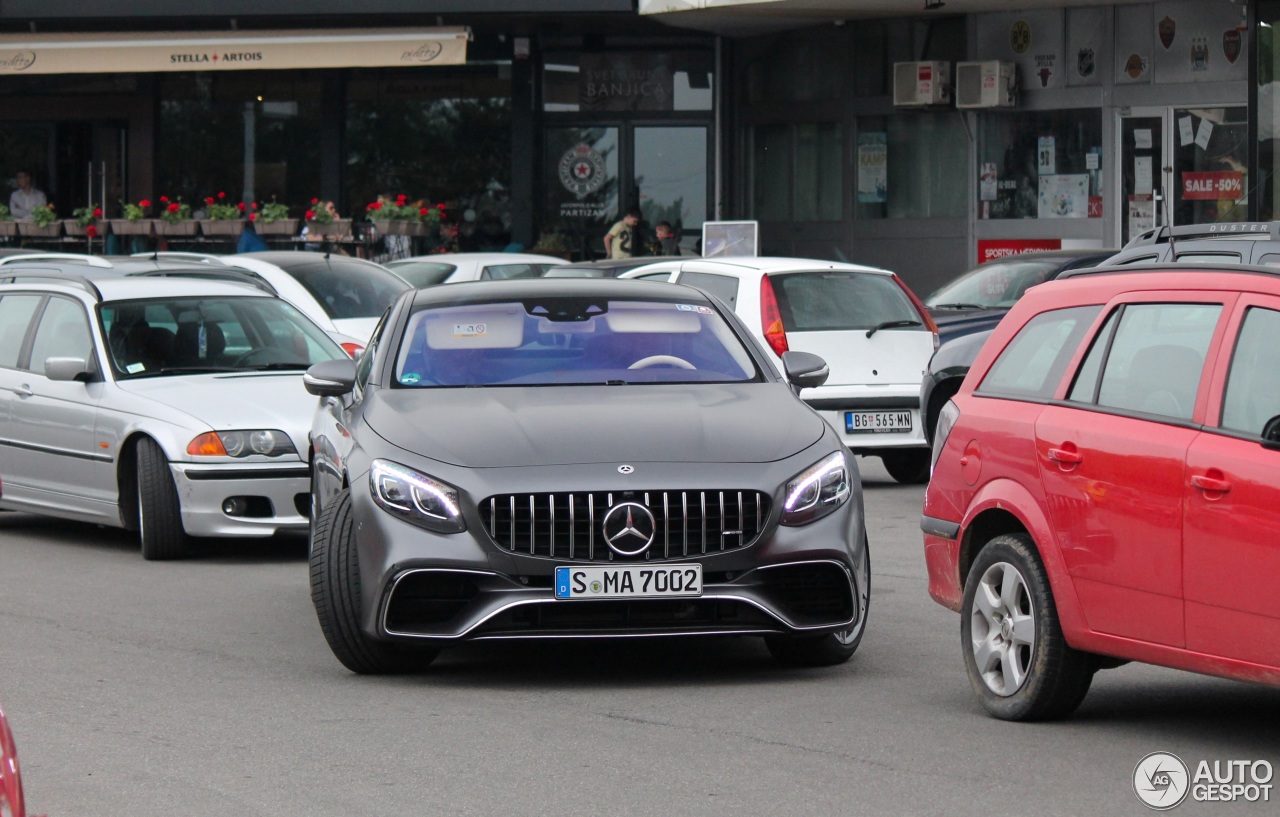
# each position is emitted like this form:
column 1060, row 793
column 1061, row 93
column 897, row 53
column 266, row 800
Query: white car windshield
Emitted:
column 995, row 285
column 153, row 337
column 564, row 341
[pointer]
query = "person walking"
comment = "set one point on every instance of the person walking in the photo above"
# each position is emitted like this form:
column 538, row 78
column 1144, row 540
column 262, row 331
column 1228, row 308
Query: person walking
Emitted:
column 620, row 241
column 26, row 198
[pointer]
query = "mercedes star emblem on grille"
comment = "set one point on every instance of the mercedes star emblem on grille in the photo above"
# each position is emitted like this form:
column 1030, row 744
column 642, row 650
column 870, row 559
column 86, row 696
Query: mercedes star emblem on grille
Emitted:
column 629, row 528
column 626, row 469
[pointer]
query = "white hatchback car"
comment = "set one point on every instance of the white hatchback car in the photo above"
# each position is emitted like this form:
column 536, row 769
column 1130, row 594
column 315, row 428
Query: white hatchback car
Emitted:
column 450, row 268
column 874, row 333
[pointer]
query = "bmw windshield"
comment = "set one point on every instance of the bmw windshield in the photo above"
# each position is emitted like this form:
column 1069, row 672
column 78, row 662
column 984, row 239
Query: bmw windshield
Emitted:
column 154, row 337
column 570, row 341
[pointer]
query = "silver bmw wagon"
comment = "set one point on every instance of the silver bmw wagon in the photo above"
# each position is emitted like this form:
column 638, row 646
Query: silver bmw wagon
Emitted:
column 577, row 458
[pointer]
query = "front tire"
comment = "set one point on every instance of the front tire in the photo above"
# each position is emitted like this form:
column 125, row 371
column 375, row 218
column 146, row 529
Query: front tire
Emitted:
column 909, row 466
column 1018, row 660
column 159, row 512
column 335, row 591
column 832, row 648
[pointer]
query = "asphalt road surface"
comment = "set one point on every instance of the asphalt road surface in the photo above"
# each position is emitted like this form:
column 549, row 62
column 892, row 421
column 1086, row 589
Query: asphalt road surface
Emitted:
column 204, row 687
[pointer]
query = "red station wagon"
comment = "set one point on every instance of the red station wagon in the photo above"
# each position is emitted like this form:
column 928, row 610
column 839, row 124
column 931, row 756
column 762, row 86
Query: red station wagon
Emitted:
column 1106, row 485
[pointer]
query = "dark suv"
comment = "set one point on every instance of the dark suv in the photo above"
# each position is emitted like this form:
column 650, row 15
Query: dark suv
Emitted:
column 1236, row 242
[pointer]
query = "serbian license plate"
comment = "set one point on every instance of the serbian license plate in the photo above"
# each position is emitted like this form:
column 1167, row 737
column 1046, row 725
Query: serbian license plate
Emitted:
column 628, row 581
column 876, row 422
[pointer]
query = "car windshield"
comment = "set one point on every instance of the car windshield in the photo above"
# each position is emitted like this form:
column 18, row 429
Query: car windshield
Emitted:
column 152, row 337
column 348, row 287
column 422, row 273
column 994, row 285
column 503, row 272
column 581, row 272
column 562, row 341
column 836, row 300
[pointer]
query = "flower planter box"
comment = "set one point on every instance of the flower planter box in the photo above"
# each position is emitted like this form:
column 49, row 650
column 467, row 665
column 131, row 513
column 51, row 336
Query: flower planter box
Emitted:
column 181, row 228
column 409, row 227
column 32, row 230
column 8, row 228
column 334, row 230
column 123, row 226
column 227, row 227
column 73, row 227
column 282, row 226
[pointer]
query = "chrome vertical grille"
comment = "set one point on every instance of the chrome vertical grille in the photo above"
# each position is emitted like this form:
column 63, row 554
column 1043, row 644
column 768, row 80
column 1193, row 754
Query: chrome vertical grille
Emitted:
column 565, row 526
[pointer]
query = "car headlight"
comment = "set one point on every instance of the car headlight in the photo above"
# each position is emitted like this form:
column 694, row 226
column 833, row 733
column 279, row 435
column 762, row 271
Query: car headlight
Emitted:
column 416, row 497
column 264, row 441
column 816, row 491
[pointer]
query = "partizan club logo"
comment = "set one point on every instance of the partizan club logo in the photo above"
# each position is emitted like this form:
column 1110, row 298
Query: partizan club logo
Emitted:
column 582, row 169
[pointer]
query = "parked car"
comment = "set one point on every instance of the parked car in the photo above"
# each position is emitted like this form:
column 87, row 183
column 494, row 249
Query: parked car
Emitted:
column 1234, row 242
column 451, row 268
column 579, row 458
column 169, row 406
column 968, row 308
column 1104, row 485
column 606, row 268
column 11, row 800
column 333, row 291
column 865, row 322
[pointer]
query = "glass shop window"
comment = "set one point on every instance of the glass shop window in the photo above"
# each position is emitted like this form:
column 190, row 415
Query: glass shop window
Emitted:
column 1040, row 164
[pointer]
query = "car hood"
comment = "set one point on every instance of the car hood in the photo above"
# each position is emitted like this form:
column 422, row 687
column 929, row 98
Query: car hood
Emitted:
column 952, row 323
column 574, row 425
column 234, row 400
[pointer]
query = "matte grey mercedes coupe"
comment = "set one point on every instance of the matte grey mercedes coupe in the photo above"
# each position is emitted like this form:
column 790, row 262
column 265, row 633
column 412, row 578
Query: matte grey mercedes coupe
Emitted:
column 577, row 458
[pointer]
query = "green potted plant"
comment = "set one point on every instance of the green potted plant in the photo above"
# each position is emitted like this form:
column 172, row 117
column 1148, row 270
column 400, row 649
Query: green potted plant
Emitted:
column 43, row 224
column 175, row 218
column 402, row 217
column 225, row 219
column 272, row 218
column 84, row 221
column 135, row 221
column 8, row 227
column 556, row 244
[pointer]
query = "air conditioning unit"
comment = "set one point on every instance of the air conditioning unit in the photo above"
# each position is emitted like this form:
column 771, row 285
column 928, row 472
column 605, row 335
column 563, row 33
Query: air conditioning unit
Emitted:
column 990, row 84
column 921, row 83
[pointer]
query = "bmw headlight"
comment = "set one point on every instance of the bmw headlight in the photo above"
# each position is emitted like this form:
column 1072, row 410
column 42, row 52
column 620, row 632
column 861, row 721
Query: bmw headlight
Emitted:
column 817, row 491
column 415, row 497
column 265, row 441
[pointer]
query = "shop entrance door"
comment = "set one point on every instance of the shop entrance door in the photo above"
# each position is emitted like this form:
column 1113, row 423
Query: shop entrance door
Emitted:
column 1182, row 166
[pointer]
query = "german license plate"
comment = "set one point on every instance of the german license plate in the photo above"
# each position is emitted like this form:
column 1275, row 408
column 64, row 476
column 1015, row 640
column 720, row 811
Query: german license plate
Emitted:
column 876, row 422
column 628, row 581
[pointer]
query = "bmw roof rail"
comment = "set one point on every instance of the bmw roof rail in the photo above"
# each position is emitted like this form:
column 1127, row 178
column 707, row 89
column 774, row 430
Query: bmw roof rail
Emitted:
column 202, row 257
column 14, row 276
column 91, row 260
column 233, row 275
column 1228, row 229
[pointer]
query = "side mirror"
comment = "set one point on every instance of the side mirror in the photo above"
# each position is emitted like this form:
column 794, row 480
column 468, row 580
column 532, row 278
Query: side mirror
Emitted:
column 332, row 378
column 1271, row 433
column 804, row 370
column 68, row 368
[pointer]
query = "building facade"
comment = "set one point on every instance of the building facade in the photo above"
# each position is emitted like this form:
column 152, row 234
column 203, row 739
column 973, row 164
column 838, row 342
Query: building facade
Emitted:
column 550, row 116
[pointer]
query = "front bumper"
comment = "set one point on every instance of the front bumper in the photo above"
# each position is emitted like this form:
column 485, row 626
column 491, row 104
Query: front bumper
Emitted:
column 445, row 588
column 274, row 499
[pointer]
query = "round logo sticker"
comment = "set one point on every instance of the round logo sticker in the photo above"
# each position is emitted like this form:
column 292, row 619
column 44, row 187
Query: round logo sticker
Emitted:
column 582, row 169
column 1020, row 37
column 1161, row 781
column 410, row 378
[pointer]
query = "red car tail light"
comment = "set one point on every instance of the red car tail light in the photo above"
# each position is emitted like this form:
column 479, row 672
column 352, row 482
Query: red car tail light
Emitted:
column 922, row 309
column 352, row 349
column 771, row 318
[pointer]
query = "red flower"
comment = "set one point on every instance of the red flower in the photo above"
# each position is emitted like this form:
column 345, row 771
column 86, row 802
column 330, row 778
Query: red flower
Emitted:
column 310, row 214
column 255, row 205
column 240, row 207
column 253, row 216
column 440, row 206
column 377, row 205
column 173, row 207
column 97, row 212
column 422, row 211
column 164, row 199
column 315, row 201
column 91, row 231
column 145, row 203
column 208, row 200
column 222, row 195
column 401, row 199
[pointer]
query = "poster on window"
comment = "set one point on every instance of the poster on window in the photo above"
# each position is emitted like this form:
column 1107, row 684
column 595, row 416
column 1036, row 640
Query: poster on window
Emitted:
column 873, row 168
column 1142, row 214
column 987, row 189
column 1064, row 196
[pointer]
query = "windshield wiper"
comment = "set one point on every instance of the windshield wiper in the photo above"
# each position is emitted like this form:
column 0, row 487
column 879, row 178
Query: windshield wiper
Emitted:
column 959, row 306
column 891, row 325
column 280, row 367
